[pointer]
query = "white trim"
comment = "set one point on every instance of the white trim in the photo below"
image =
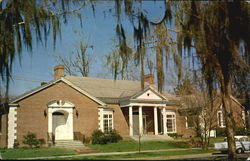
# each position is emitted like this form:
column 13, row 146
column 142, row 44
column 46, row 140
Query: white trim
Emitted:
column 140, row 121
column 83, row 92
column 166, row 112
column 12, row 126
column 68, row 83
column 235, row 100
column 60, row 104
column 100, row 118
column 107, row 112
column 131, row 121
column 221, row 119
column 143, row 104
column 155, row 121
column 146, row 89
column 164, row 121
column 69, row 110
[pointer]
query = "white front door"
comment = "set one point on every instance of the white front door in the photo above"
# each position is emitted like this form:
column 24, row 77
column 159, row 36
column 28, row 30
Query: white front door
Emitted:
column 61, row 127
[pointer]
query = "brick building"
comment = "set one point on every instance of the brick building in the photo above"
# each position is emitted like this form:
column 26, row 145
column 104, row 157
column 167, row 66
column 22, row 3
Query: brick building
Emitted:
column 70, row 106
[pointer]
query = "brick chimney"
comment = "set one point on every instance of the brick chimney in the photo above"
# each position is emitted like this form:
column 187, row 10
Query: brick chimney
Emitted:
column 58, row 71
column 149, row 78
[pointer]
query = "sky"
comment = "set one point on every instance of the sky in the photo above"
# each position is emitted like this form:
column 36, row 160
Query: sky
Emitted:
column 99, row 30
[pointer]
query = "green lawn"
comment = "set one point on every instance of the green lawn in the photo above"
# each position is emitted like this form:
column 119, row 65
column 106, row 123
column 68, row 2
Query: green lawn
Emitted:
column 144, row 156
column 123, row 146
column 212, row 140
column 35, row 152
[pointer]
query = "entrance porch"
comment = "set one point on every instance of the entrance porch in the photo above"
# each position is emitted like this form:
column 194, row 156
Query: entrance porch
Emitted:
column 148, row 120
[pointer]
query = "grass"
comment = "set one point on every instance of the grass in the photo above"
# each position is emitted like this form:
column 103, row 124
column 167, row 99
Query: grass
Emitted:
column 123, row 146
column 212, row 140
column 35, row 152
column 145, row 155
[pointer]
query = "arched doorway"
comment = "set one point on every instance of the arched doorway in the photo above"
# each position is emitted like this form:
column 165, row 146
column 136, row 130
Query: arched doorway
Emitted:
column 60, row 125
column 60, row 120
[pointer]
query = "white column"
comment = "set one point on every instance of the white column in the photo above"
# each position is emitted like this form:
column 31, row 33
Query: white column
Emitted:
column 131, row 121
column 140, row 121
column 164, row 121
column 156, row 120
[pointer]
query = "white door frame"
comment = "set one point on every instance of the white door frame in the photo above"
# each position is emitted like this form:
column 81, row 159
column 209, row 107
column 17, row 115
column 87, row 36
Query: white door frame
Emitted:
column 65, row 107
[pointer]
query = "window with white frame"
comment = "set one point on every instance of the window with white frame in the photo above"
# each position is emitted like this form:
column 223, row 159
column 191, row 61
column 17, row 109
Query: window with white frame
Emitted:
column 171, row 122
column 107, row 121
column 221, row 120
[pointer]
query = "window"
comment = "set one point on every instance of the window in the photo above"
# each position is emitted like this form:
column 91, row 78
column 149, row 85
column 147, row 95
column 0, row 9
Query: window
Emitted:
column 107, row 122
column 189, row 122
column 171, row 124
column 221, row 120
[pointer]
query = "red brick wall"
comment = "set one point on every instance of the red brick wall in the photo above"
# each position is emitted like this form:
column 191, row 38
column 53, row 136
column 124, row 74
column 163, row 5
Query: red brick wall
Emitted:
column 120, row 123
column 30, row 114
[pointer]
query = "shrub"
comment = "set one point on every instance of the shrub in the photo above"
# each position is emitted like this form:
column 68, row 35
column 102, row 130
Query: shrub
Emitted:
column 194, row 143
column 98, row 137
column 16, row 144
column 221, row 132
column 41, row 142
column 240, row 131
column 30, row 139
column 113, row 136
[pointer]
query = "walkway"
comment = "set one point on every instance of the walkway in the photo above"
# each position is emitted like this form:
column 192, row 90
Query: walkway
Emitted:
column 152, row 138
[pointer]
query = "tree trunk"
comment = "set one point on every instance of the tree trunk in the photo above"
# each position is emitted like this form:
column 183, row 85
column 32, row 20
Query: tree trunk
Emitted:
column 226, row 101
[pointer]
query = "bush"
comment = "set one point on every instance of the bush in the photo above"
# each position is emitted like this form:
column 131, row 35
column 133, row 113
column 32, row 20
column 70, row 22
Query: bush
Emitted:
column 221, row 132
column 113, row 136
column 41, row 142
column 194, row 143
column 31, row 140
column 240, row 131
column 98, row 137
column 16, row 144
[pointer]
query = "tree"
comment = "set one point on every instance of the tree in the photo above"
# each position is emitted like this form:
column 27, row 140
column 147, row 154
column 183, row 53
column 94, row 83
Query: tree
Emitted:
column 198, row 109
column 212, row 27
column 24, row 21
column 78, row 61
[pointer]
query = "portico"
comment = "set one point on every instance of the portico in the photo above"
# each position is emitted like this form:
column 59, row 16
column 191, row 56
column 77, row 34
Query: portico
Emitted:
column 146, row 111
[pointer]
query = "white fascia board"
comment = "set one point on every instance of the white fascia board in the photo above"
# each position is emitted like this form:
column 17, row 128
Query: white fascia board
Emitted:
column 65, row 81
column 143, row 104
column 235, row 100
column 149, row 88
column 83, row 92
column 39, row 89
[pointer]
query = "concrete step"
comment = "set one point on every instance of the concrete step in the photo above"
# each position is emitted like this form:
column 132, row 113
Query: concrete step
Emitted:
column 68, row 143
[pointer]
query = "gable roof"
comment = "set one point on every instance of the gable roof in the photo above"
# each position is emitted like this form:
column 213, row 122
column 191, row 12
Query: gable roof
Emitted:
column 33, row 91
column 101, row 90
column 106, row 88
column 146, row 89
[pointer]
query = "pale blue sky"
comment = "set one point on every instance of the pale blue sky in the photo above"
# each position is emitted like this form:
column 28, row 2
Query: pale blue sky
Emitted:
column 97, row 31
